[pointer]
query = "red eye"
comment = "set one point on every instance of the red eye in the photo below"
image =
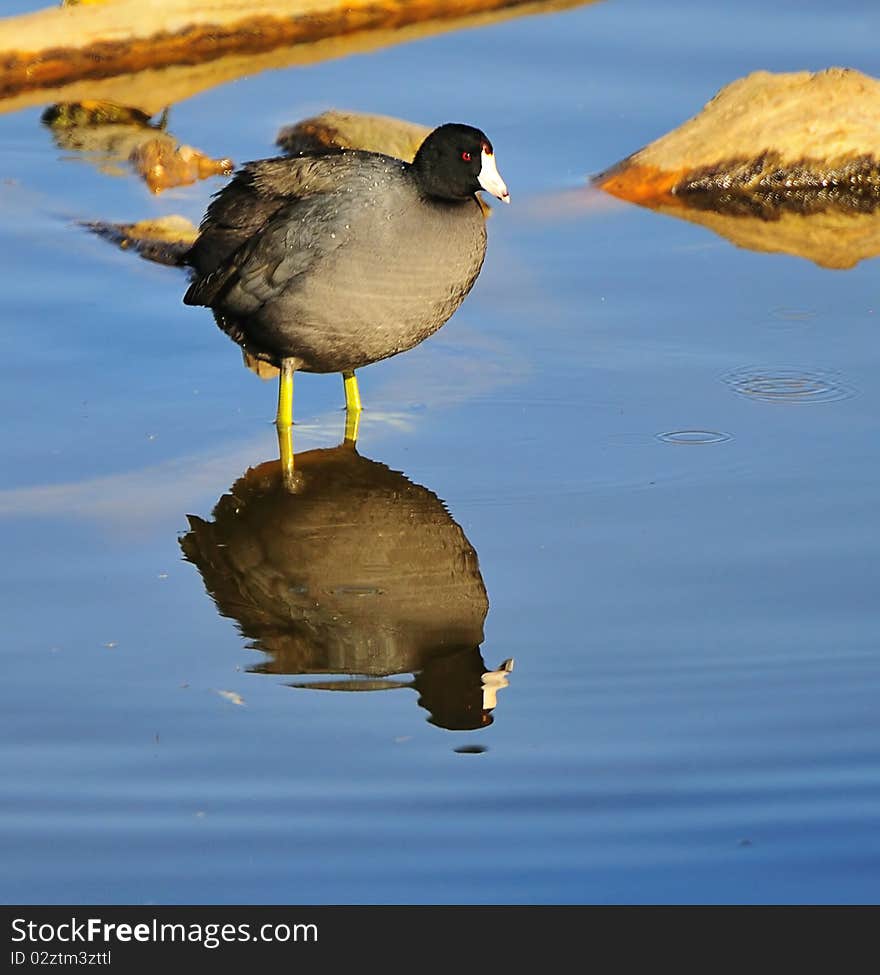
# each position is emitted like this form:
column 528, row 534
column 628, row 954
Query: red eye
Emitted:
column 466, row 156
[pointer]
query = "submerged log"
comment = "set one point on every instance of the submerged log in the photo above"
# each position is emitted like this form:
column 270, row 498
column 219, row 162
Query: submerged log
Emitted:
column 164, row 163
column 336, row 129
column 163, row 241
column 774, row 162
column 119, row 139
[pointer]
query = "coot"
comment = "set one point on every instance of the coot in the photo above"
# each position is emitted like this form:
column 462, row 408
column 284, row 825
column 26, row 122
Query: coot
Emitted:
column 329, row 261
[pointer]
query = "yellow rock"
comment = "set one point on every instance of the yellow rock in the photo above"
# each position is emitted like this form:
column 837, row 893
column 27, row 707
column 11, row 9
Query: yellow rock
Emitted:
column 774, row 162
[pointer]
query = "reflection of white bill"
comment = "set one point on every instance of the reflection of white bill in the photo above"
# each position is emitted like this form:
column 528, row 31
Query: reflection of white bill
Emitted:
column 493, row 681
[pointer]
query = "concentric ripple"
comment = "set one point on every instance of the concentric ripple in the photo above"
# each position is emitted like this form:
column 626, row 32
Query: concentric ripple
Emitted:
column 693, row 437
column 771, row 385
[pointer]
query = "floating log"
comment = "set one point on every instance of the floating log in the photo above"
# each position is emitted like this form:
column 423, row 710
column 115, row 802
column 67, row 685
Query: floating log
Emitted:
column 774, row 162
column 150, row 55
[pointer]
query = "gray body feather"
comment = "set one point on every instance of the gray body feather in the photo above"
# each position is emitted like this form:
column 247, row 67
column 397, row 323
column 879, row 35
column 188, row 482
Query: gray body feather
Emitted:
column 334, row 261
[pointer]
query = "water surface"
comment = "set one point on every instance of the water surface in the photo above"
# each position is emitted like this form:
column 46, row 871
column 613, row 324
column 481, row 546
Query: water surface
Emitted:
column 661, row 451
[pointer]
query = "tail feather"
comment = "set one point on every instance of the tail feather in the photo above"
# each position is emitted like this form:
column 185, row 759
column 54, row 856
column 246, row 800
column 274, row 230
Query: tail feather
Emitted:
column 208, row 288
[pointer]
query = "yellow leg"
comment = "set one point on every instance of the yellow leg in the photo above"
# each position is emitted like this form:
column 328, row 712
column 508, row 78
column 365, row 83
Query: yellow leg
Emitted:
column 284, row 416
column 352, row 406
column 352, row 393
column 284, row 419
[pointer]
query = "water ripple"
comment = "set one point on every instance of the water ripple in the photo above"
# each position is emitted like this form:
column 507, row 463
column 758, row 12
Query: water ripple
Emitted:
column 793, row 314
column 693, row 437
column 772, row 385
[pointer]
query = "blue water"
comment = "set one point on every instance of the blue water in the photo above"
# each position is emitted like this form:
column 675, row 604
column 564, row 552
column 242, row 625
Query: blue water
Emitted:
column 692, row 711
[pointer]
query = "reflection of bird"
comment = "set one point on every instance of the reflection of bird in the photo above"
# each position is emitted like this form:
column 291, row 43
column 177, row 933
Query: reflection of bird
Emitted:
column 328, row 262
column 357, row 571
